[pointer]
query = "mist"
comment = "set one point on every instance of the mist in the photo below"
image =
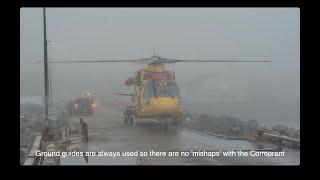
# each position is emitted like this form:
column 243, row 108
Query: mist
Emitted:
column 267, row 92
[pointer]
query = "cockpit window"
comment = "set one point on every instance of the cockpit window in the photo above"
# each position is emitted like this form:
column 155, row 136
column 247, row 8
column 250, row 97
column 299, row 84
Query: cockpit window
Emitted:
column 154, row 89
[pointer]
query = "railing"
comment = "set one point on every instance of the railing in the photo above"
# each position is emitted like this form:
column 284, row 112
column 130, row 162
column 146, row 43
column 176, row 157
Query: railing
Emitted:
column 294, row 142
column 32, row 159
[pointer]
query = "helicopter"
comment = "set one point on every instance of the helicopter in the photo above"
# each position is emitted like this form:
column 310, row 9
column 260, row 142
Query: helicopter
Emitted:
column 156, row 93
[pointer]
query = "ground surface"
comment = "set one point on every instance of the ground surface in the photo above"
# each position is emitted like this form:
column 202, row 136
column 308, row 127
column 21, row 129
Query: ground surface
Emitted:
column 107, row 133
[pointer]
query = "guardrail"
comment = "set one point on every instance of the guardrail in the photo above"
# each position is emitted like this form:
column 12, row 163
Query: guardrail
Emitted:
column 32, row 159
column 57, row 138
column 282, row 139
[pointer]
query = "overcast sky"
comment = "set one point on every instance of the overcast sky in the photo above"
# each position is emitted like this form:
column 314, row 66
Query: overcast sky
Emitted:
column 267, row 90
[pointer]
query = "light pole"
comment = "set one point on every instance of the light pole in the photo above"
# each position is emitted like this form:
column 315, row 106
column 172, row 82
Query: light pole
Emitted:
column 45, row 55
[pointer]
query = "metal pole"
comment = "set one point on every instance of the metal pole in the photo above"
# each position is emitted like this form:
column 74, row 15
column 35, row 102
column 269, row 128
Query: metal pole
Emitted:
column 46, row 84
column 50, row 83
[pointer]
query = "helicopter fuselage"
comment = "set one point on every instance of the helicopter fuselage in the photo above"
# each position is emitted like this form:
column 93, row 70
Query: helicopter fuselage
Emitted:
column 156, row 93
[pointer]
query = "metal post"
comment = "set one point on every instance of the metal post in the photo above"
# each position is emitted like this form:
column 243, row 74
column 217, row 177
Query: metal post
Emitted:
column 50, row 84
column 46, row 84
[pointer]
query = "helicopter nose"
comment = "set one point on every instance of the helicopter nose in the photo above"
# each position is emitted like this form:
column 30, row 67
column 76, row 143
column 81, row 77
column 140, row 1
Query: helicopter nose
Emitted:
column 164, row 105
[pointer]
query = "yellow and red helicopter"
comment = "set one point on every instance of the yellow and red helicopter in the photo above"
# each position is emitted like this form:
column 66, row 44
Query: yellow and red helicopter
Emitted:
column 156, row 93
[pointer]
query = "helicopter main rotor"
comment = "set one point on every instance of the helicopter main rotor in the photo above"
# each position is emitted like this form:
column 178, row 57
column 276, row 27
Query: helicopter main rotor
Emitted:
column 155, row 59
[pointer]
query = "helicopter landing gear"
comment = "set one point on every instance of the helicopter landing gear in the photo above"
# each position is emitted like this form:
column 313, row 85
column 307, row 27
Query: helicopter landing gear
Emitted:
column 176, row 121
column 131, row 118
column 128, row 116
column 164, row 124
column 125, row 120
column 128, row 120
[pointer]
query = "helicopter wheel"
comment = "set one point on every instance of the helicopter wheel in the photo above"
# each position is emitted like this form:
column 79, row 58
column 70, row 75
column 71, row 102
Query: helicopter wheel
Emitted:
column 164, row 124
column 125, row 120
column 130, row 120
column 175, row 121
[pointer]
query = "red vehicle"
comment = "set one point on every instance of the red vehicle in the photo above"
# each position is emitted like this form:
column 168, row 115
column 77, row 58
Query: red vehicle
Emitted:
column 80, row 106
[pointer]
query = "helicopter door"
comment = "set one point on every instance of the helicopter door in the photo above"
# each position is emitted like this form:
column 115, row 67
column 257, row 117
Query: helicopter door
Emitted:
column 146, row 96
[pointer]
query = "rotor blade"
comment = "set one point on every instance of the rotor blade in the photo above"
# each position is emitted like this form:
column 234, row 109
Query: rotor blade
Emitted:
column 122, row 94
column 97, row 61
column 166, row 60
column 145, row 62
column 217, row 61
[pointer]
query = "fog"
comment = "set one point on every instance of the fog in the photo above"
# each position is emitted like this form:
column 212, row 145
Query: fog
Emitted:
column 267, row 92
